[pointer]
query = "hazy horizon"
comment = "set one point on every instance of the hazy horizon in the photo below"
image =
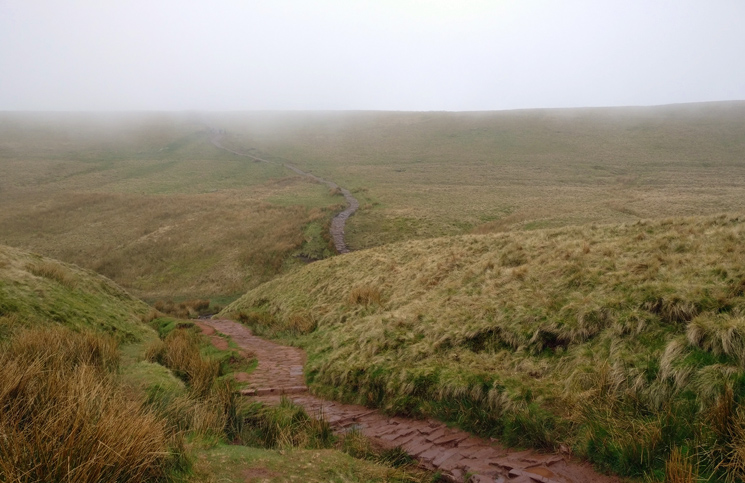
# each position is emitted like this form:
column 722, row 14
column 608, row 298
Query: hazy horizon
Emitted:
column 331, row 55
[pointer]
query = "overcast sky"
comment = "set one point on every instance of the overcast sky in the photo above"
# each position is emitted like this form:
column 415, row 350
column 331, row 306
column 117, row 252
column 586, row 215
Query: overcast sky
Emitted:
column 383, row 54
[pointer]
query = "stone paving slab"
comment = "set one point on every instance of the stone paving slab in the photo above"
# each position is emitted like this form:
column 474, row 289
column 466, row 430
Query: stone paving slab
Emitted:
column 453, row 452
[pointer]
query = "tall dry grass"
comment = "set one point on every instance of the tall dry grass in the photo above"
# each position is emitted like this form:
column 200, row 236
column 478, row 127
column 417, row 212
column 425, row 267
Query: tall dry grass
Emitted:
column 180, row 352
column 211, row 405
column 188, row 309
column 61, row 414
column 53, row 271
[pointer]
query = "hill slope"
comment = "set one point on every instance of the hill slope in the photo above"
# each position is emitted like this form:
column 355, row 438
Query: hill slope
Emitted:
column 624, row 342
column 39, row 289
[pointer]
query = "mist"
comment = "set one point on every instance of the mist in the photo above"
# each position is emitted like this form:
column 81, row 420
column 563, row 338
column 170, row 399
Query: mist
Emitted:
column 367, row 55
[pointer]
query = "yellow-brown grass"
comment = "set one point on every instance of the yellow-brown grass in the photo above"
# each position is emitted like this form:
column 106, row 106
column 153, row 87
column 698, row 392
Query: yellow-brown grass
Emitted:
column 179, row 351
column 61, row 414
column 679, row 469
column 53, row 271
column 365, row 295
column 613, row 339
column 188, row 309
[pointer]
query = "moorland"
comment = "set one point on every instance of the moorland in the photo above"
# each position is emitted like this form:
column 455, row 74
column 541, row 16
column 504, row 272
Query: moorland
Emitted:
column 555, row 278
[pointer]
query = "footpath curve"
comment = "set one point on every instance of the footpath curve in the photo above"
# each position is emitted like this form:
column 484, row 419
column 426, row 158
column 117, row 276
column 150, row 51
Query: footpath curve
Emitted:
column 458, row 455
column 338, row 222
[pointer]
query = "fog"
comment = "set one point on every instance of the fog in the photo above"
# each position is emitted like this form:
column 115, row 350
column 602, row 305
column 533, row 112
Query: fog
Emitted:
column 375, row 54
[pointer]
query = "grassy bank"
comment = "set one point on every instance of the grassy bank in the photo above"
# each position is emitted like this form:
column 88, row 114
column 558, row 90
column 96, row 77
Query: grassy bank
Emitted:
column 622, row 342
column 63, row 331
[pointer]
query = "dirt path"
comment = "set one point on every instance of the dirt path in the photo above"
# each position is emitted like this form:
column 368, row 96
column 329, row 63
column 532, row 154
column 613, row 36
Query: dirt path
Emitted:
column 455, row 453
column 338, row 222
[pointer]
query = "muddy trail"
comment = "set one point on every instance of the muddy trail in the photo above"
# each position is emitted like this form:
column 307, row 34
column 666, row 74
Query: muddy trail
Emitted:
column 338, row 222
column 458, row 455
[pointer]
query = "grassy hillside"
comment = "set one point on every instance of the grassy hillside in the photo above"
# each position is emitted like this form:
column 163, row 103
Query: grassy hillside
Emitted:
column 61, row 400
column 420, row 175
column 36, row 289
column 148, row 201
column 624, row 342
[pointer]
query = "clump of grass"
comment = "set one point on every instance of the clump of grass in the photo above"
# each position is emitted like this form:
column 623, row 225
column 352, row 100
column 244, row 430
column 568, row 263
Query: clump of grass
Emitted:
column 285, row 426
column 213, row 415
column 211, row 404
column 53, row 271
column 679, row 469
column 61, row 414
column 180, row 352
column 365, row 295
column 189, row 309
column 263, row 323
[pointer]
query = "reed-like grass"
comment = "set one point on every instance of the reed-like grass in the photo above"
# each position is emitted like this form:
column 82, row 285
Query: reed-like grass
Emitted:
column 285, row 426
column 61, row 414
column 180, row 352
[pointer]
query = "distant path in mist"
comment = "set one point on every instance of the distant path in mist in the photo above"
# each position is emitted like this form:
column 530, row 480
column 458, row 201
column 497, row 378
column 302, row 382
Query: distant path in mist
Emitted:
column 338, row 222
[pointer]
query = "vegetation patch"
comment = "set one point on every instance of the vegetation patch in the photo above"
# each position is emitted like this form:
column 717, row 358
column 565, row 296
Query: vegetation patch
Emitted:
column 61, row 414
column 622, row 342
column 38, row 289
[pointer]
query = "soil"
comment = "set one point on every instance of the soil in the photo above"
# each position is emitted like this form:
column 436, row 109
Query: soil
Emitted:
column 338, row 222
column 458, row 455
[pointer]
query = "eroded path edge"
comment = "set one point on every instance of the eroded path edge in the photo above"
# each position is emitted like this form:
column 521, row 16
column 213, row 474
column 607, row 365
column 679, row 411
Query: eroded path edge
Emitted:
column 458, row 455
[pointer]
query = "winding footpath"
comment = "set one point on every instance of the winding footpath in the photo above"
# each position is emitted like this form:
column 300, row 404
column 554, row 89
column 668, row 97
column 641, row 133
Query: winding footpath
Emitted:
column 458, row 455
column 338, row 222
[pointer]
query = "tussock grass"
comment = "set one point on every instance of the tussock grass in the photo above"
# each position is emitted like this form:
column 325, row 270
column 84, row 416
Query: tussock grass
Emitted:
column 365, row 296
column 211, row 405
column 53, row 271
column 188, row 309
column 678, row 468
column 180, row 352
column 615, row 340
column 61, row 414
column 285, row 426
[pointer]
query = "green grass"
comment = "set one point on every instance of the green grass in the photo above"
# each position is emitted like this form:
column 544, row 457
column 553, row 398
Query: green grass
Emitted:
column 70, row 343
column 244, row 464
column 302, row 451
column 35, row 288
column 616, row 340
